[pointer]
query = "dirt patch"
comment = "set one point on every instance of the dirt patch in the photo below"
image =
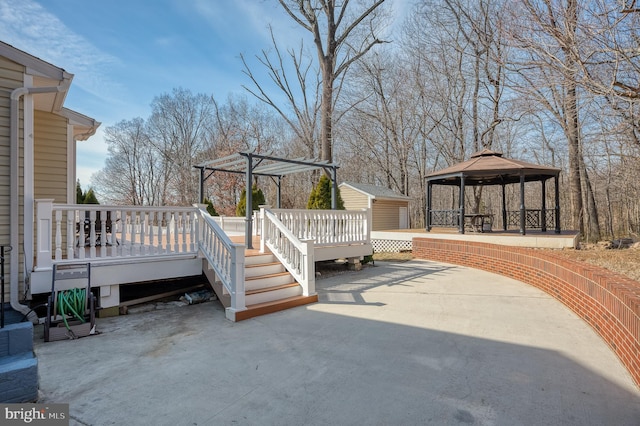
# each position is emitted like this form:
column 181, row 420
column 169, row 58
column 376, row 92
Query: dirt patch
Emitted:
column 624, row 261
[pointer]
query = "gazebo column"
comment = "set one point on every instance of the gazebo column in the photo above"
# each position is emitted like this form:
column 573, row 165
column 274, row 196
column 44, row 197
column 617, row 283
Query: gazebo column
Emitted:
column 429, row 188
column 557, row 190
column 461, row 217
column 523, row 211
column 544, row 205
column 504, row 207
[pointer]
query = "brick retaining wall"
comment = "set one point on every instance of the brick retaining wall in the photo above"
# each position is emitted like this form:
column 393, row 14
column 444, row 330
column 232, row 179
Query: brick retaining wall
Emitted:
column 608, row 302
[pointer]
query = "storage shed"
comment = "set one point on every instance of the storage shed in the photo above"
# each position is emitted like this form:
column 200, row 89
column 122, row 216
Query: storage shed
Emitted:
column 389, row 209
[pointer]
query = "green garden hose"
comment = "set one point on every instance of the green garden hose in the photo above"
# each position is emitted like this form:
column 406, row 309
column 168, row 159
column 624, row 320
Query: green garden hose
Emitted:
column 72, row 302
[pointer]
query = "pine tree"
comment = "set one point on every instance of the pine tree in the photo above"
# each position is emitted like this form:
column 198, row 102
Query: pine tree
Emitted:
column 79, row 194
column 210, row 209
column 257, row 198
column 90, row 197
column 320, row 196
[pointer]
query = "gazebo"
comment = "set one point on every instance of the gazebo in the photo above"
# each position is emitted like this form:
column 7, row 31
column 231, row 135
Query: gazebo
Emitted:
column 487, row 168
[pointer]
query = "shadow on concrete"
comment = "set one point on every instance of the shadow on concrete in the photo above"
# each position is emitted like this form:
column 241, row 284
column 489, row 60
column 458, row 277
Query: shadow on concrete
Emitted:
column 341, row 364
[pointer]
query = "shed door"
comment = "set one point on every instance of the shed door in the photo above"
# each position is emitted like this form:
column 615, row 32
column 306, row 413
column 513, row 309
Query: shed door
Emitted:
column 404, row 218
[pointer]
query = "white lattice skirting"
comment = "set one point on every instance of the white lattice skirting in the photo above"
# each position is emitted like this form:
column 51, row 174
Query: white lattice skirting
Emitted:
column 391, row 246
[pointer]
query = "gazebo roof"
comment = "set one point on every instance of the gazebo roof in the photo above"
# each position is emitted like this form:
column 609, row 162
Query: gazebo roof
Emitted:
column 488, row 167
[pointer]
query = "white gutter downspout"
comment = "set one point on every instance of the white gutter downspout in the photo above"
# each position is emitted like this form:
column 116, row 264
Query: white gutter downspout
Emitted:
column 14, row 212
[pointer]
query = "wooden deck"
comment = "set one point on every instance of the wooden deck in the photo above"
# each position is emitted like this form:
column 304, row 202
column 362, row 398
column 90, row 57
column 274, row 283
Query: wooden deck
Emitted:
column 533, row 239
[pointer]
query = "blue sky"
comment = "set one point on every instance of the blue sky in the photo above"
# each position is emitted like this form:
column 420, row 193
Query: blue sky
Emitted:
column 123, row 53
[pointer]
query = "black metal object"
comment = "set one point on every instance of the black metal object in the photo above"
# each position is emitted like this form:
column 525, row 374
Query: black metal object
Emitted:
column 253, row 164
column 3, row 250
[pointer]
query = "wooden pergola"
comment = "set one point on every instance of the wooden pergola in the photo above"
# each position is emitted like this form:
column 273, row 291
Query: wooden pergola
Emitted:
column 486, row 168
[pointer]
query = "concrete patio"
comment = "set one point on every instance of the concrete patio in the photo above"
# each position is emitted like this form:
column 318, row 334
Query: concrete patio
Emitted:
column 396, row 343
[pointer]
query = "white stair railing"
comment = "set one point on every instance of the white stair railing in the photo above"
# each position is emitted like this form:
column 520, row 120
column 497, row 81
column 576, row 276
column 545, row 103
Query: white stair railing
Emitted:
column 295, row 254
column 227, row 260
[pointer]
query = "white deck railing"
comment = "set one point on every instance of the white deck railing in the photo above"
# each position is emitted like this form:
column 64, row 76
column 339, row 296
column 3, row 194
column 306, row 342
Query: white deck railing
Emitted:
column 327, row 227
column 68, row 232
column 226, row 258
column 237, row 224
column 99, row 232
column 295, row 254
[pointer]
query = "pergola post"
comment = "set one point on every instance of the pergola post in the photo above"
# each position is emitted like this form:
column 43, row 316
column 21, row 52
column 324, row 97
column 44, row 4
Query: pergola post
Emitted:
column 278, row 193
column 461, row 218
column 201, row 185
column 544, row 205
column 334, row 189
column 248, row 239
column 428, row 218
column 523, row 212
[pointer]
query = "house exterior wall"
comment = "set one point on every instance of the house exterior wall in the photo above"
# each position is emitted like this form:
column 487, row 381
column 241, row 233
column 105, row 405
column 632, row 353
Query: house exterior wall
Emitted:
column 11, row 77
column 386, row 214
column 353, row 200
column 50, row 157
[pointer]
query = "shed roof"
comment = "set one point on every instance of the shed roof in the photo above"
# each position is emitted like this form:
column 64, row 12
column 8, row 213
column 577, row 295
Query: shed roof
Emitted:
column 375, row 191
column 488, row 167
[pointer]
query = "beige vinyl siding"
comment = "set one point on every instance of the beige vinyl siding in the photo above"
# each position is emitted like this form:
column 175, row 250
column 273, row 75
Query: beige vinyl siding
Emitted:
column 353, row 200
column 11, row 77
column 386, row 214
column 50, row 157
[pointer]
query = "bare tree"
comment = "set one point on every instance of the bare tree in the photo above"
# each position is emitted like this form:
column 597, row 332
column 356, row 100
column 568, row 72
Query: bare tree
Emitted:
column 177, row 128
column 550, row 70
column 343, row 32
column 134, row 174
column 301, row 95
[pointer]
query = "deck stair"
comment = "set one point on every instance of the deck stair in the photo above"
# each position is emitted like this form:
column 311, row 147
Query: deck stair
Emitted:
column 268, row 287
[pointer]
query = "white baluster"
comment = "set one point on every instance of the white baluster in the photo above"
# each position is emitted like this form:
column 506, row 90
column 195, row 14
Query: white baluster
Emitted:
column 71, row 234
column 124, row 219
column 143, row 228
column 151, row 233
column 168, row 219
column 58, row 254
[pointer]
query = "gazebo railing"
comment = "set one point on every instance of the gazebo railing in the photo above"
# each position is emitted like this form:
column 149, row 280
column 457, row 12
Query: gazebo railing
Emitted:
column 444, row 218
column 533, row 218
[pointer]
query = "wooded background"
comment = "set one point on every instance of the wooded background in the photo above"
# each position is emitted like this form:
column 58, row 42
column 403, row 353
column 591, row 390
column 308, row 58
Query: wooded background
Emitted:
column 554, row 82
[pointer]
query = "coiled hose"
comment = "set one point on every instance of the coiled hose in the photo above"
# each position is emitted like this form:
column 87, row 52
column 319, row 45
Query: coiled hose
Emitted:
column 72, row 302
